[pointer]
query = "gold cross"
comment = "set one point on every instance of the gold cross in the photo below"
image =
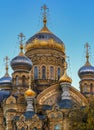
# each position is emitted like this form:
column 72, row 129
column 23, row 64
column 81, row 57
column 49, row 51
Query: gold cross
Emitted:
column 87, row 51
column 21, row 37
column 44, row 8
column 6, row 60
column 87, row 46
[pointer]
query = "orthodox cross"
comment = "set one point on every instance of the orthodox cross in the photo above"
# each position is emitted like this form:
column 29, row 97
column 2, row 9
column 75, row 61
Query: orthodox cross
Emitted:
column 44, row 8
column 6, row 62
column 21, row 37
column 87, row 51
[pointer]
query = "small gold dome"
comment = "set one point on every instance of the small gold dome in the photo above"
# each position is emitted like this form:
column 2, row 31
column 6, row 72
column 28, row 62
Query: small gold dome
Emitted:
column 65, row 78
column 30, row 93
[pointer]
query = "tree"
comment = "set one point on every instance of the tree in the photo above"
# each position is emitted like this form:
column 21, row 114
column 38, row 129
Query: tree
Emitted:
column 82, row 118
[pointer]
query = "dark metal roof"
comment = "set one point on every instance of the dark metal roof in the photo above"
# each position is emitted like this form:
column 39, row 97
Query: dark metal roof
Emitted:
column 66, row 103
column 44, row 36
column 5, row 80
column 21, row 60
column 46, row 107
column 86, row 70
column 29, row 114
column 4, row 94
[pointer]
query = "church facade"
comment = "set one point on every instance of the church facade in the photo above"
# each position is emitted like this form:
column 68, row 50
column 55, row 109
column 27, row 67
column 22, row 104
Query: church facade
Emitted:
column 39, row 95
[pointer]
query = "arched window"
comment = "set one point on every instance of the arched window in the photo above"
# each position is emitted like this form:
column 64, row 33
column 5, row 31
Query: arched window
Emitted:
column 58, row 73
column 85, row 88
column 35, row 72
column 23, row 80
column 34, row 128
column 51, row 72
column 57, row 127
column 43, row 72
column 17, row 80
column 91, row 88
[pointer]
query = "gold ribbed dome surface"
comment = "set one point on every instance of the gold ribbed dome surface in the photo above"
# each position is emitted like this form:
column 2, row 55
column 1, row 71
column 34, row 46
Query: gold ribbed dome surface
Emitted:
column 65, row 78
column 45, row 39
column 30, row 93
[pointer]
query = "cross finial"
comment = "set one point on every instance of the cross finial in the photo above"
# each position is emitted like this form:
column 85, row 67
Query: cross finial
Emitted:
column 44, row 8
column 6, row 62
column 22, row 38
column 87, row 51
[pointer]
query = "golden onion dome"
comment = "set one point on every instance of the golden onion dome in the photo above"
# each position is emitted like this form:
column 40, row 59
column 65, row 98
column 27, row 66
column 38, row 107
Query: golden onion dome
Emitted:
column 30, row 93
column 45, row 39
column 65, row 78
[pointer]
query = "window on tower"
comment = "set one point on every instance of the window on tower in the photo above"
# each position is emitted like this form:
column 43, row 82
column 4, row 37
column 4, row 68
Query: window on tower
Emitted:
column 51, row 72
column 43, row 72
column 35, row 72
column 23, row 80
column 58, row 73
column 17, row 80
column 85, row 88
column 91, row 88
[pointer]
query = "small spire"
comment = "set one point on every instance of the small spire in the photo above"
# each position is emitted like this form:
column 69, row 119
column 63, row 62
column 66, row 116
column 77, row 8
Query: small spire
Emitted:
column 45, row 9
column 6, row 62
column 22, row 38
column 87, row 53
column 30, row 92
column 65, row 67
column 65, row 64
column 30, row 80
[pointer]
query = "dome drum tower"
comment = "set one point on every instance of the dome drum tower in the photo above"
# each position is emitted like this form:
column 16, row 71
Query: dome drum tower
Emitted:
column 21, row 66
column 47, row 53
column 86, row 74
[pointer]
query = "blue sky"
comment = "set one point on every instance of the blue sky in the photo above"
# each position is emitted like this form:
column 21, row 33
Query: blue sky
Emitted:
column 71, row 20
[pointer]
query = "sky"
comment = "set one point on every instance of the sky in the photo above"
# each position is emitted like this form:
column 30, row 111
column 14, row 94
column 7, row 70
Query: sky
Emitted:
column 71, row 20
